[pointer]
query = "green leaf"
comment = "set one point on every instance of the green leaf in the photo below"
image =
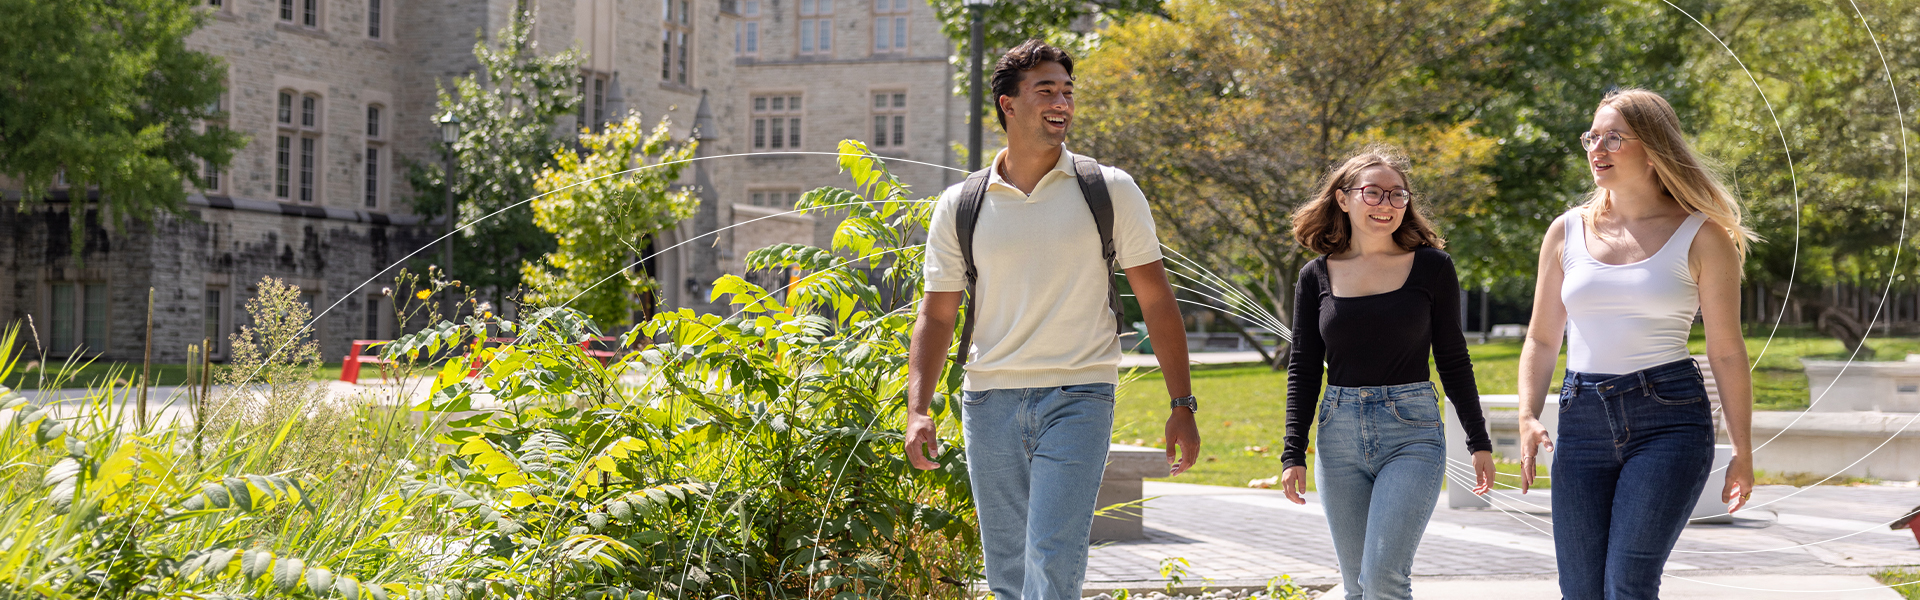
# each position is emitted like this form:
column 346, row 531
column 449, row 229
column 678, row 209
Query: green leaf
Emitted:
column 319, row 581
column 242, row 496
column 64, row 478
column 348, row 587
column 10, row 399
column 287, row 572
column 218, row 560
column 254, row 563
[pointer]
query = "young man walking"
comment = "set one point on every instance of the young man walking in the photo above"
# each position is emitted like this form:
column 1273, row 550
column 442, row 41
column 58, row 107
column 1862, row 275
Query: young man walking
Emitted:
column 1038, row 404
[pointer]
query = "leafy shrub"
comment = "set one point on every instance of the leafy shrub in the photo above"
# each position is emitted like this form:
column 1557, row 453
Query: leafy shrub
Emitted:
column 755, row 454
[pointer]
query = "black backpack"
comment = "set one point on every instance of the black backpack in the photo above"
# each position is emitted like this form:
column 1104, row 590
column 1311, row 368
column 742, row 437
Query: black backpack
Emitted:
column 1092, row 185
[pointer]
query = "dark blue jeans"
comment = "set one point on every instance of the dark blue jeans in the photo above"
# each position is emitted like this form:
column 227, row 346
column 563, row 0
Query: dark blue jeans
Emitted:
column 1632, row 455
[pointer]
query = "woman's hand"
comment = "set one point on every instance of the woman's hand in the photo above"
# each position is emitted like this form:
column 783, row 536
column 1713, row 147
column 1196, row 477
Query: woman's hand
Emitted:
column 1293, row 481
column 1482, row 472
column 1739, row 486
column 1533, row 436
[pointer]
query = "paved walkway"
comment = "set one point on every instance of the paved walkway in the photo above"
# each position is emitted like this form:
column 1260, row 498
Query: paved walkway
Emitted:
column 1819, row 538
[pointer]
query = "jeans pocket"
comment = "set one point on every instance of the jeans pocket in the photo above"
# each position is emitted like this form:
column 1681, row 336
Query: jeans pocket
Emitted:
column 1325, row 414
column 1089, row 391
column 1683, row 400
column 1680, row 392
column 1423, row 411
column 973, row 398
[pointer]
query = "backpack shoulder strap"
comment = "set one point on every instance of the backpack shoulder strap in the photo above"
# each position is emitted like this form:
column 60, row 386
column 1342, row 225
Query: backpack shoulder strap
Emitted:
column 972, row 194
column 1093, row 185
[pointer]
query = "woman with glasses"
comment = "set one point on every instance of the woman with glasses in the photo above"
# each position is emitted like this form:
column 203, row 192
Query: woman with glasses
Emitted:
column 1623, row 276
column 1379, row 299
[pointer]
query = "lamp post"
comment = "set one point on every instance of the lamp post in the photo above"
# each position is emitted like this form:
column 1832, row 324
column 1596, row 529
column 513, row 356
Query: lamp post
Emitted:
column 977, row 7
column 449, row 133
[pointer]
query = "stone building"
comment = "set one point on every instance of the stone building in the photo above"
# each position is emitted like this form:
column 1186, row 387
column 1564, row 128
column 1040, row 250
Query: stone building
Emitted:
column 335, row 95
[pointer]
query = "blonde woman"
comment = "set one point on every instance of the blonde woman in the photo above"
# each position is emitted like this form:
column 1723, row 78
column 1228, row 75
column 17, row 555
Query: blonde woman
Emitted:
column 1380, row 300
column 1623, row 275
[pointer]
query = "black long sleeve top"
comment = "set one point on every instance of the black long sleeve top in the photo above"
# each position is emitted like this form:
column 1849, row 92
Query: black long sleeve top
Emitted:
column 1376, row 340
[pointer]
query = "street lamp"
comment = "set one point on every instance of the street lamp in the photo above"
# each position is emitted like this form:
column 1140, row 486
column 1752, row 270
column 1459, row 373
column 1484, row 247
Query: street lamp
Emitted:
column 449, row 133
column 977, row 7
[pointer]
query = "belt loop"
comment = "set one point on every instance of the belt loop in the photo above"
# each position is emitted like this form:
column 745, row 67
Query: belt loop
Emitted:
column 1644, row 384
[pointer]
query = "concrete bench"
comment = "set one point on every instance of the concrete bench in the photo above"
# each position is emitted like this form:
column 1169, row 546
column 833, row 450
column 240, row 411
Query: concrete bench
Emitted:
column 1126, row 466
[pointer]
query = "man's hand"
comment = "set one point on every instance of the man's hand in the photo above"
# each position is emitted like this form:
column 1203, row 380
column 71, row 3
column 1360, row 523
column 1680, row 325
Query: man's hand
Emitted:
column 1482, row 472
column 1533, row 435
column 923, row 441
column 1293, row 481
column 1182, row 434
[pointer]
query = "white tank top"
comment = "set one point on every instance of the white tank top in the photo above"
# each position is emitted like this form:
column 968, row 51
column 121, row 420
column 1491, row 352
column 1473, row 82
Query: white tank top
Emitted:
column 1624, row 318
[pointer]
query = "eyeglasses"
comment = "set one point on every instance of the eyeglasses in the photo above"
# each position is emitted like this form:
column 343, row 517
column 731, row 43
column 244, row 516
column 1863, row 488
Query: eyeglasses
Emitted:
column 1373, row 195
column 1589, row 141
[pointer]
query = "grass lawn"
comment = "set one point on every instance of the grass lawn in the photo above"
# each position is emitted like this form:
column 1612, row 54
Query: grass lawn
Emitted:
column 1906, row 582
column 1243, row 407
column 98, row 372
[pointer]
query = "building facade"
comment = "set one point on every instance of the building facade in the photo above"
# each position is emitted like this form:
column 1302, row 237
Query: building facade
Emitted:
column 336, row 96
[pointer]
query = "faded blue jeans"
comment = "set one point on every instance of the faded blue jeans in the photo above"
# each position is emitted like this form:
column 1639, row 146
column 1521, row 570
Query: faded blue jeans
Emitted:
column 1629, row 461
column 1035, row 456
column 1381, row 457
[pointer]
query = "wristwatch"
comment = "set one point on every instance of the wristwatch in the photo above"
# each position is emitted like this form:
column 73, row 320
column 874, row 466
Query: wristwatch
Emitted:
column 1190, row 402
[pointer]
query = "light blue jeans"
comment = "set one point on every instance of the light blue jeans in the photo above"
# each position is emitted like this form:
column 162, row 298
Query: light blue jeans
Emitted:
column 1381, row 457
column 1035, row 457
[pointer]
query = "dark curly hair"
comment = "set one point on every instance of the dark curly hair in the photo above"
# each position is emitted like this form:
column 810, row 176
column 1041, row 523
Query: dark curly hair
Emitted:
column 1015, row 63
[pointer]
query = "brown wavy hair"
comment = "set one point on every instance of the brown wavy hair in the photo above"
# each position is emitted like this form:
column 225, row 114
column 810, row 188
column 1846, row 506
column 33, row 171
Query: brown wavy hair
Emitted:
column 1320, row 226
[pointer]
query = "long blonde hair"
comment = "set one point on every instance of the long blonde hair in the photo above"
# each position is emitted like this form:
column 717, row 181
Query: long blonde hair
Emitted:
column 1680, row 171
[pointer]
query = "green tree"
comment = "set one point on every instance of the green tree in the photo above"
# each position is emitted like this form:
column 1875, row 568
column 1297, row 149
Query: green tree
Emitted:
column 507, row 115
column 1549, row 69
column 108, row 93
column 1229, row 112
column 1836, row 209
column 601, row 217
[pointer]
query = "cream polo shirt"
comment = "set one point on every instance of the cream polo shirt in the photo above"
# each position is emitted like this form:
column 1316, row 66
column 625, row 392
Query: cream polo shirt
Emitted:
column 1043, row 316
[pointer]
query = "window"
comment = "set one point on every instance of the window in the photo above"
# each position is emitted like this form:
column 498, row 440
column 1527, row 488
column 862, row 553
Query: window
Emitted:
column 816, row 27
column 215, row 118
column 890, row 120
column 777, row 198
column 889, row 26
column 373, row 19
column 304, row 12
column 373, row 121
column 282, row 161
column 297, row 148
column 79, row 317
column 373, row 318
column 216, row 3
column 306, row 169
column 210, row 172
column 776, row 122
column 673, row 42
column 746, row 33
column 593, row 99
column 373, row 176
column 211, row 317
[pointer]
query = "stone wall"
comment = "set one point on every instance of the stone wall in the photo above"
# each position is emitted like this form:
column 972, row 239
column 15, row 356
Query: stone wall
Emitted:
column 231, row 236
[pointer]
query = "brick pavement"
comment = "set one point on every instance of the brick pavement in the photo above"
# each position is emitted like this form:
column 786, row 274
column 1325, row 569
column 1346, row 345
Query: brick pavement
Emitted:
column 1249, row 535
